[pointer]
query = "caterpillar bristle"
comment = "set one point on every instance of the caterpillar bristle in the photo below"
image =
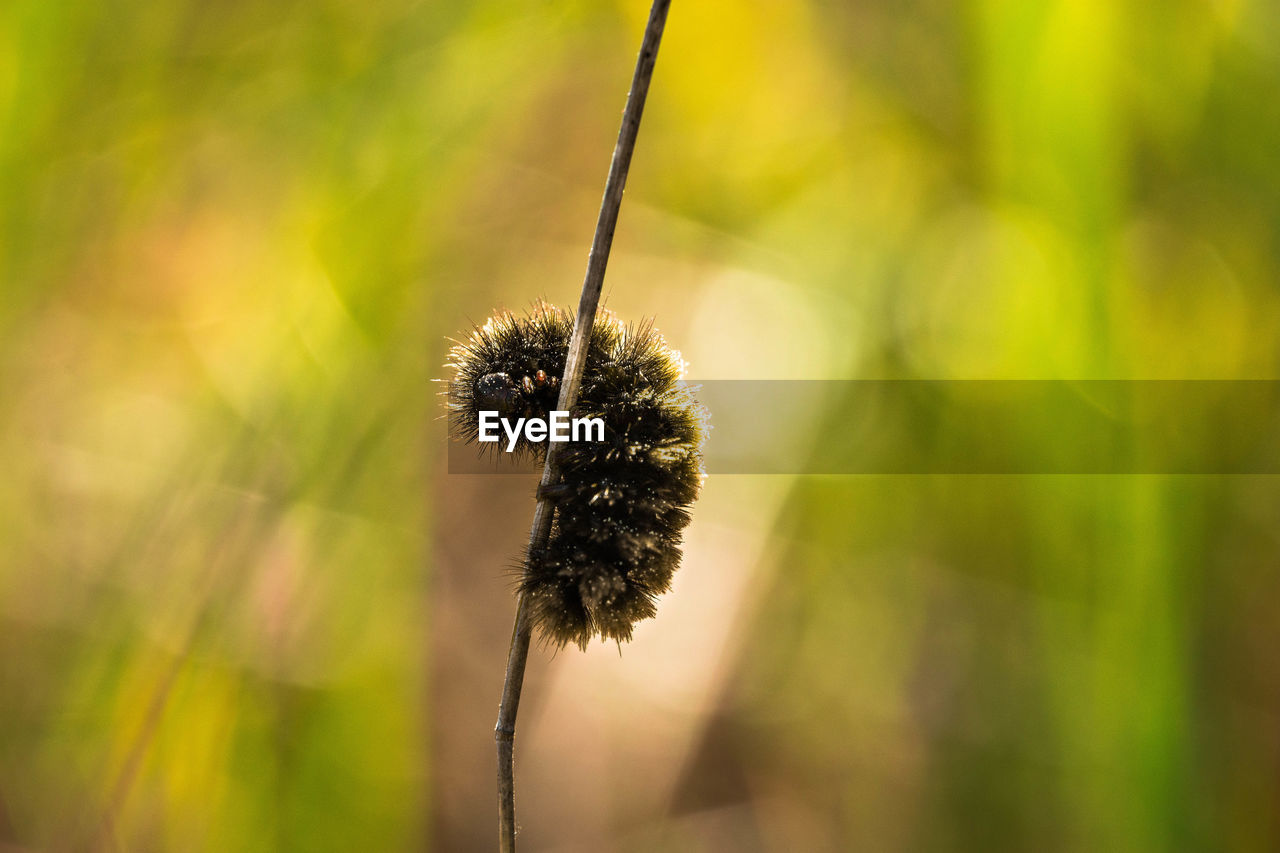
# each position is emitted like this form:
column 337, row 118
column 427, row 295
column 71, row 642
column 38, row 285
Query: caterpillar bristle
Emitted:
column 624, row 502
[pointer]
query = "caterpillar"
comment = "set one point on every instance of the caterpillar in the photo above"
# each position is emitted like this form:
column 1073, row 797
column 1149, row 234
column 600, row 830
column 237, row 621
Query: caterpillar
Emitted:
column 623, row 503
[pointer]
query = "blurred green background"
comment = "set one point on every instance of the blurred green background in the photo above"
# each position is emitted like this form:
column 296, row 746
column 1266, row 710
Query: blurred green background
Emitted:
column 244, row 607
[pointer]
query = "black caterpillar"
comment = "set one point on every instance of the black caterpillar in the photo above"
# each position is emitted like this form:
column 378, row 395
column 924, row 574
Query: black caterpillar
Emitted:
column 623, row 503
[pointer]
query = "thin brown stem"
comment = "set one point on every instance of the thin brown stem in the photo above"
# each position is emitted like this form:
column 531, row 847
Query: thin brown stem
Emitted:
column 505, row 730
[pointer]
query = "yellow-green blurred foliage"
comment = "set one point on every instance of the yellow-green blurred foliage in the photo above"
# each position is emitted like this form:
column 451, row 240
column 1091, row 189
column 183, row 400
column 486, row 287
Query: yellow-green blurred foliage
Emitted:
column 244, row 607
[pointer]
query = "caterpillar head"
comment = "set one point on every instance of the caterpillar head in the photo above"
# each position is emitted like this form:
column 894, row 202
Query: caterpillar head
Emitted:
column 497, row 391
column 530, row 396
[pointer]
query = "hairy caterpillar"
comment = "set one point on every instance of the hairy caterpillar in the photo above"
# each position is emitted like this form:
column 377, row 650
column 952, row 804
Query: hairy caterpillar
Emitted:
column 623, row 503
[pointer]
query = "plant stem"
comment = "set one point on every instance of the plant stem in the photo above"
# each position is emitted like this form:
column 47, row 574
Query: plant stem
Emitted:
column 505, row 731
